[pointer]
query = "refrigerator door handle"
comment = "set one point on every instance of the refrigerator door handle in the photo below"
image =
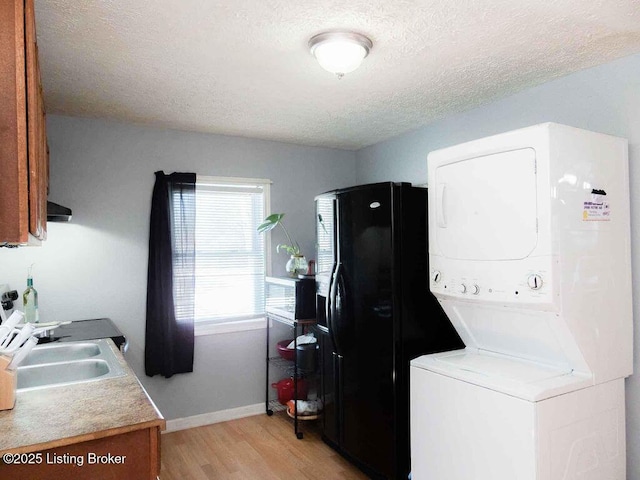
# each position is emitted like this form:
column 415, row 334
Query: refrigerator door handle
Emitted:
column 333, row 314
column 333, row 289
column 328, row 301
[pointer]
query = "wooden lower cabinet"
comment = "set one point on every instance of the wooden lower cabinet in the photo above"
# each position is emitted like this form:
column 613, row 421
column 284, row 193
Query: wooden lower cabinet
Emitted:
column 133, row 455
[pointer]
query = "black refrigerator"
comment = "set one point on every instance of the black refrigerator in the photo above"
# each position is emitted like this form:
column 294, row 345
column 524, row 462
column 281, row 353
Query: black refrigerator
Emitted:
column 375, row 314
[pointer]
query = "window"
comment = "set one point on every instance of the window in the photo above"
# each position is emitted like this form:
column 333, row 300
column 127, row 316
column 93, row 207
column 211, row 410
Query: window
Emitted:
column 230, row 254
column 325, row 220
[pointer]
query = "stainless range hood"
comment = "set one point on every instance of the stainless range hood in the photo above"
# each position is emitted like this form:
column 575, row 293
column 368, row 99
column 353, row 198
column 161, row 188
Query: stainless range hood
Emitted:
column 58, row 213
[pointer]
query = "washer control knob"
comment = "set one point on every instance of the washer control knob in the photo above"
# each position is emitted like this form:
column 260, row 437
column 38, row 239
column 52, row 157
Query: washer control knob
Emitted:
column 436, row 276
column 462, row 288
column 535, row 282
column 475, row 289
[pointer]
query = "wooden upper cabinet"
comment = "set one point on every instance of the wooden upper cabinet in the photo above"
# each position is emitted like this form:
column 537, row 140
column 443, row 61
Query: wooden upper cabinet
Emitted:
column 24, row 161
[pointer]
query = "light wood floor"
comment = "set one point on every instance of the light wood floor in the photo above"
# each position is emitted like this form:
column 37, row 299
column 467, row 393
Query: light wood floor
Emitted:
column 257, row 447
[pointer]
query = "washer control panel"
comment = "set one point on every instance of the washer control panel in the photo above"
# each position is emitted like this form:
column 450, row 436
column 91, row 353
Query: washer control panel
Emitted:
column 504, row 282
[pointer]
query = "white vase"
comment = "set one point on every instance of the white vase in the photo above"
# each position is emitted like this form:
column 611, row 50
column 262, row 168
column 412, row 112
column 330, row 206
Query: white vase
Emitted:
column 297, row 265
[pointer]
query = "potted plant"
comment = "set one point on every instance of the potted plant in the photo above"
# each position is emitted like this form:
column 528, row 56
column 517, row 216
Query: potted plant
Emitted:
column 297, row 264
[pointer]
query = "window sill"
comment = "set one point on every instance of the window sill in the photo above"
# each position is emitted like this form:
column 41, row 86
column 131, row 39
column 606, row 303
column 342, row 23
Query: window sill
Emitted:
column 229, row 327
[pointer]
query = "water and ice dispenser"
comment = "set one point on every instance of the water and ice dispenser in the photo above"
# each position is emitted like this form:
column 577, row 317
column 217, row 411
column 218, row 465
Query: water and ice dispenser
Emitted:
column 529, row 249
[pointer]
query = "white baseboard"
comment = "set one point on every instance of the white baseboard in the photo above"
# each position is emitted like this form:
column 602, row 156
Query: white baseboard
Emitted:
column 214, row 417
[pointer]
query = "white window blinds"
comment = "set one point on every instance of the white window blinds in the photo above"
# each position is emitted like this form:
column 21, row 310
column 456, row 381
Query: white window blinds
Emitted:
column 325, row 227
column 230, row 253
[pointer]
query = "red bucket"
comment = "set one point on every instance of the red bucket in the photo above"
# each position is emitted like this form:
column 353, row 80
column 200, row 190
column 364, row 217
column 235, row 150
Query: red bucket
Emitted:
column 285, row 389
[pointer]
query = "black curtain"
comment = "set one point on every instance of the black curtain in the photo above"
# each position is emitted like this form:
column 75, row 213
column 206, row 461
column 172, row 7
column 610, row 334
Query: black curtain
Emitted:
column 171, row 275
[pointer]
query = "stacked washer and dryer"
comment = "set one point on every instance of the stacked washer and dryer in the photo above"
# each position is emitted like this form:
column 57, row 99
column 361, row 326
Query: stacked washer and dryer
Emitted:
column 529, row 249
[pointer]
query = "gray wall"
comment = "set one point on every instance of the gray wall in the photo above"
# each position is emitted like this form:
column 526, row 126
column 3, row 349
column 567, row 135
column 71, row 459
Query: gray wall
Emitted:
column 96, row 266
column 604, row 99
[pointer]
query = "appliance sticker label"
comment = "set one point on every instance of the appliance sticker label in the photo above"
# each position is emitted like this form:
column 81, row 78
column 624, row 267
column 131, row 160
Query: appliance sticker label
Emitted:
column 597, row 208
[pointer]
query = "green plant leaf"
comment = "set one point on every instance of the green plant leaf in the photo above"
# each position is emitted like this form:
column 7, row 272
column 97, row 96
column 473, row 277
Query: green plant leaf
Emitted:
column 274, row 217
column 290, row 249
column 270, row 222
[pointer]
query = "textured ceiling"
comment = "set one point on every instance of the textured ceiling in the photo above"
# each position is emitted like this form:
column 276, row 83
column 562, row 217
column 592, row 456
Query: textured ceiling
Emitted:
column 242, row 67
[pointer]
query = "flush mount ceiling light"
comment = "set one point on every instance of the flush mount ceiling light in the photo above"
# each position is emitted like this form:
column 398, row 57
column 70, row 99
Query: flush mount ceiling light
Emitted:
column 340, row 52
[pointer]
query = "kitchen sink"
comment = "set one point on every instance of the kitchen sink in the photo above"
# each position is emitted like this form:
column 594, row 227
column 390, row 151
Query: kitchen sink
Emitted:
column 61, row 352
column 73, row 362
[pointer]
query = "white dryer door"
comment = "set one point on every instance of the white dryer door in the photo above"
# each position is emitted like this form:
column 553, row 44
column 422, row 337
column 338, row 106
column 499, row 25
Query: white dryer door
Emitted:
column 486, row 206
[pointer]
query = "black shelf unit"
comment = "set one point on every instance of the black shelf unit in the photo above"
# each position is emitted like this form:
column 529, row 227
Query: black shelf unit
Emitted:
column 298, row 312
